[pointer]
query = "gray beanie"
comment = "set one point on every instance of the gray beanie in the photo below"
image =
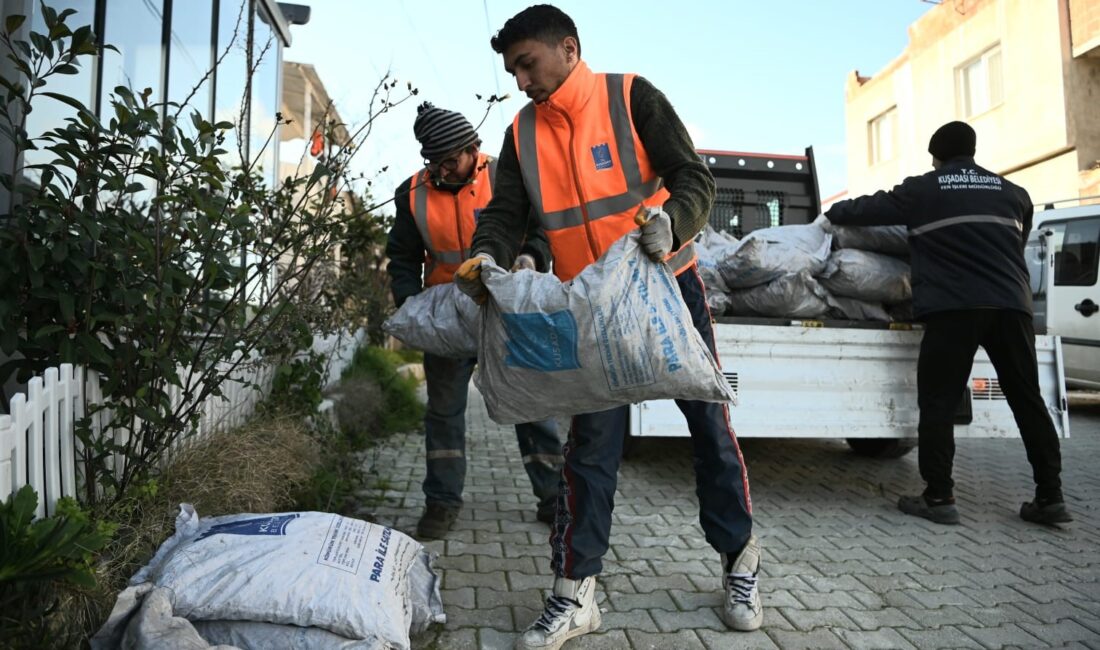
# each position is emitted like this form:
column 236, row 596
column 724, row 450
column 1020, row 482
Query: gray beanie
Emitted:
column 440, row 131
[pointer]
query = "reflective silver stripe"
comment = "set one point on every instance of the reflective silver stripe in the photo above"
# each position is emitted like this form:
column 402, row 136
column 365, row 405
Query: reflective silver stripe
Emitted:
column 440, row 454
column 623, row 131
column 451, row 257
column 624, row 134
column 682, row 256
column 600, row 208
column 547, row 459
column 492, row 172
column 420, row 182
column 970, row 218
column 420, row 206
column 420, row 216
column 529, row 155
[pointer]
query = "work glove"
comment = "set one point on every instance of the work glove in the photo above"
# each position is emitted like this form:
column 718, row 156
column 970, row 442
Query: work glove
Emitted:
column 823, row 222
column 468, row 278
column 656, row 232
column 524, row 262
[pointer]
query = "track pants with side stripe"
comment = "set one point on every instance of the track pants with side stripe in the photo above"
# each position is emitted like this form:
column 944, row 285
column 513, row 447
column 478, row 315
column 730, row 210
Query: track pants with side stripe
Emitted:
column 593, row 452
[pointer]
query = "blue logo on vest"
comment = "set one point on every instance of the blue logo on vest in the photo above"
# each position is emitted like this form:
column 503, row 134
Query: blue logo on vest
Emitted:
column 601, row 155
column 274, row 525
column 477, row 214
column 543, row 342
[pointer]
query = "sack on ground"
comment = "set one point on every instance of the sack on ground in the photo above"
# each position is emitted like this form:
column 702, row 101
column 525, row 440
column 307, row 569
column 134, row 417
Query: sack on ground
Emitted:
column 440, row 320
column 771, row 253
column 795, row 295
column 618, row 333
column 872, row 277
column 344, row 579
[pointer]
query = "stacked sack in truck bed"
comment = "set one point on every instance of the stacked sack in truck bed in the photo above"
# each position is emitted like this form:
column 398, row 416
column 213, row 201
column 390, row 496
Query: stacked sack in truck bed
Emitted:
column 814, row 270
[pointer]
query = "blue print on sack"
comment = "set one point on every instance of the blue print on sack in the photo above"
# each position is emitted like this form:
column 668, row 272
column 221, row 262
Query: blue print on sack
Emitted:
column 544, row 342
column 274, row 525
column 601, row 155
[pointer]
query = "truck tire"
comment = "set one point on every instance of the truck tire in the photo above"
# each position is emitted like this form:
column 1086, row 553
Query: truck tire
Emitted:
column 881, row 447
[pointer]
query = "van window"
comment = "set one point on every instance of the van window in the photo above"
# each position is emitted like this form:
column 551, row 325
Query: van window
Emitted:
column 1075, row 256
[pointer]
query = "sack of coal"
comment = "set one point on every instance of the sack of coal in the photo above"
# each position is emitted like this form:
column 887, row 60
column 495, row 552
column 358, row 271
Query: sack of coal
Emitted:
column 617, row 333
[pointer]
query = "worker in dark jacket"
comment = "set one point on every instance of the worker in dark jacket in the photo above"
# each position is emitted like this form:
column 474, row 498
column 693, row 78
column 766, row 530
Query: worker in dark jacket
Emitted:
column 586, row 153
column 967, row 230
column 437, row 211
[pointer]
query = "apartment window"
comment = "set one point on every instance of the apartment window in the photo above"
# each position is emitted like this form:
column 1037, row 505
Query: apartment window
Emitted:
column 979, row 83
column 49, row 114
column 232, row 77
column 134, row 29
column 263, row 138
column 191, row 59
column 883, row 136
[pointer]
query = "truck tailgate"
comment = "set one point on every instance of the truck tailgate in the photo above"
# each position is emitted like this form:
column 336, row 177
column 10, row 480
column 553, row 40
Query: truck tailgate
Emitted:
column 821, row 382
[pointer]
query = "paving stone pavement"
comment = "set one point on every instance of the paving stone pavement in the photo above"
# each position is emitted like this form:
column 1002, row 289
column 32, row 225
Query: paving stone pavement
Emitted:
column 842, row 568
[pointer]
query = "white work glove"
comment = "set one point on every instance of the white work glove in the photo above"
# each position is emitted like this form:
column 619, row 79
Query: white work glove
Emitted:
column 468, row 278
column 656, row 232
column 524, row 262
column 823, row 222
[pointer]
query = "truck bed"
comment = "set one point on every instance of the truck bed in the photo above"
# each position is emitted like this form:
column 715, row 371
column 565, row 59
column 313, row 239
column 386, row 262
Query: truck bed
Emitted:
column 827, row 379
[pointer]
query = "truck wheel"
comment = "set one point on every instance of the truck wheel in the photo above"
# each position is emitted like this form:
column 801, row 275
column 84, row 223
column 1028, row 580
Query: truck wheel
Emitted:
column 881, row 447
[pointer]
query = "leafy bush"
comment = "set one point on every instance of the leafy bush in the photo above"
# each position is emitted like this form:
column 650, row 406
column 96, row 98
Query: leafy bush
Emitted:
column 35, row 553
column 403, row 410
column 136, row 253
column 373, row 401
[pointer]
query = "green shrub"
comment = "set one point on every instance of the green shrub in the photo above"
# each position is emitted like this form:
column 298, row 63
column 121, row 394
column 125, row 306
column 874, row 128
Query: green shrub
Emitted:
column 402, row 409
column 410, row 355
column 35, row 554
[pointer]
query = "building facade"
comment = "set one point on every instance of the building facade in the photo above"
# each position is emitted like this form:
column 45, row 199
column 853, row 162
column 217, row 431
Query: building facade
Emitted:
column 1024, row 73
column 170, row 47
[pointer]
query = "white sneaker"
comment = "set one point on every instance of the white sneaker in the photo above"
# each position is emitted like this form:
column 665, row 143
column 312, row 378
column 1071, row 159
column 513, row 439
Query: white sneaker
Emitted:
column 570, row 612
column 742, row 609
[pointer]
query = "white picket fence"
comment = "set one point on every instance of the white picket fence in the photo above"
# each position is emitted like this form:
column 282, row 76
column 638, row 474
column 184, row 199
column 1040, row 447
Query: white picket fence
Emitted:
column 38, row 445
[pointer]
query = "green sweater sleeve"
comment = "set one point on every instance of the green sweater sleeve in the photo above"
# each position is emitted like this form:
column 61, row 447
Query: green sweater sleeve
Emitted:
column 673, row 157
column 508, row 223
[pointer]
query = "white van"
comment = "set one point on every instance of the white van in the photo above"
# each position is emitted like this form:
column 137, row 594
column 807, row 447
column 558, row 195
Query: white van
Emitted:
column 1062, row 256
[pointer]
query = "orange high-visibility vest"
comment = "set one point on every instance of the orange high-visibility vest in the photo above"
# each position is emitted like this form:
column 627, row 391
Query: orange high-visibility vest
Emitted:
column 585, row 169
column 446, row 220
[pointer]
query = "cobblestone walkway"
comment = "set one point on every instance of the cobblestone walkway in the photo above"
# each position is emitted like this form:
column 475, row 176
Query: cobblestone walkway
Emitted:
column 842, row 567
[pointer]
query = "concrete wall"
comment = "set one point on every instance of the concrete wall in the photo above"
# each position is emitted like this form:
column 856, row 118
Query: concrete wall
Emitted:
column 1081, row 56
column 1085, row 25
column 1053, row 180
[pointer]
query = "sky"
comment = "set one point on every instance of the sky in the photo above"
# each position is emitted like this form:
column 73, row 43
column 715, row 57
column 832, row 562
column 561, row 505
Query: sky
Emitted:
column 743, row 75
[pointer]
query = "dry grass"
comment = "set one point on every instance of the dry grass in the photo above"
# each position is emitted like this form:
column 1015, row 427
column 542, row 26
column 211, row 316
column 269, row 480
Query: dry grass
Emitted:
column 257, row 468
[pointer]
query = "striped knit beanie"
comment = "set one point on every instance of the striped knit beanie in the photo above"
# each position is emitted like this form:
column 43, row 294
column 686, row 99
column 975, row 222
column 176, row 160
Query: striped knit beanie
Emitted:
column 441, row 132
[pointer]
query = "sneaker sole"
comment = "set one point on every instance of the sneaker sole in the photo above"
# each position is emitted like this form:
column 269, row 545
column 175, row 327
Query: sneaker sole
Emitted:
column 593, row 625
column 752, row 626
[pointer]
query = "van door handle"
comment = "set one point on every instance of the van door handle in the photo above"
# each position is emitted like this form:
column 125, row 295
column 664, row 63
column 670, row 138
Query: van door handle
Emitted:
column 1087, row 307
